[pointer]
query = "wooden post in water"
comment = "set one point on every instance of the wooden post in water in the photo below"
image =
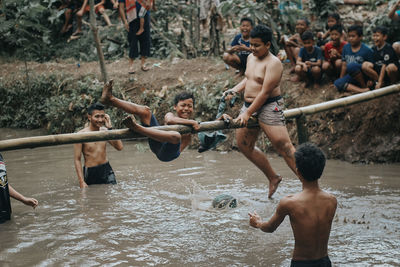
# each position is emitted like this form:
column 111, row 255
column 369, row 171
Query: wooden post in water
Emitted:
column 302, row 132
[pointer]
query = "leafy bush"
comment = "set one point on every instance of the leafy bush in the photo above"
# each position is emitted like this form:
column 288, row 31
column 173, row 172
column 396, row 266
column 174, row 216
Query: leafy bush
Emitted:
column 55, row 102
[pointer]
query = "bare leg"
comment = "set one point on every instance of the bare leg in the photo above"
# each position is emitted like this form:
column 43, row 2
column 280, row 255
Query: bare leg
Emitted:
column 232, row 60
column 355, row 89
column 105, row 16
column 108, row 99
column 368, row 69
column 360, row 79
column 246, row 139
column 143, row 63
column 158, row 135
column 280, row 139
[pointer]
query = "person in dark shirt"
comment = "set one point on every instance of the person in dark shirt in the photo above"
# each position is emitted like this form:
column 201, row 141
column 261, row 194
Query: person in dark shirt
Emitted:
column 236, row 56
column 354, row 54
column 384, row 68
column 308, row 64
column 6, row 191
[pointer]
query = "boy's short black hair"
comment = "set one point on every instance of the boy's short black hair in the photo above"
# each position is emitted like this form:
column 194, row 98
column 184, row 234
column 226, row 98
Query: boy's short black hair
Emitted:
column 183, row 96
column 263, row 32
column 307, row 35
column 305, row 20
column 336, row 16
column 310, row 161
column 381, row 29
column 247, row 19
column 356, row 28
column 337, row 27
column 95, row 106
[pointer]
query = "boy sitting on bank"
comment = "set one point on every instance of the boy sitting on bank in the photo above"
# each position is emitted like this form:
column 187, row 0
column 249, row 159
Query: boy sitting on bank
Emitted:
column 354, row 54
column 293, row 44
column 332, row 64
column 308, row 64
column 310, row 212
column 384, row 68
column 166, row 145
column 236, row 56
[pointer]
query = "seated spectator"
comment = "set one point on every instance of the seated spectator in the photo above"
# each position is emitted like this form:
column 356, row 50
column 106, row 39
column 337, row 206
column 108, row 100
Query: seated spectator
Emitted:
column 308, row 67
column 69, row 6
column 236, row 56
column 394, row 14
column 98, row 8
column 354, row 54
column 293, row 44
column 332, row 64
column 323, row 38
column 384, row 68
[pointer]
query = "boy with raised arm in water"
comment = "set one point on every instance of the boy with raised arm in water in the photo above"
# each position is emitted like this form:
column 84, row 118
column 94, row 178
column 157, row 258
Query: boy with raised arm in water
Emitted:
column 262, row 95
column 97, row 169
column 311, row 211
column 166, row 145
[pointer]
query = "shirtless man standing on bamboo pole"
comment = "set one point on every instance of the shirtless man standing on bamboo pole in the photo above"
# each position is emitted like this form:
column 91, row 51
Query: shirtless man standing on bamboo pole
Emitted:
column 97, row 169
column 262, row 95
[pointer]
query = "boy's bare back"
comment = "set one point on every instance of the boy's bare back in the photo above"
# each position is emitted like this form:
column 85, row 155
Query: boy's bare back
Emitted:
column 311, row 213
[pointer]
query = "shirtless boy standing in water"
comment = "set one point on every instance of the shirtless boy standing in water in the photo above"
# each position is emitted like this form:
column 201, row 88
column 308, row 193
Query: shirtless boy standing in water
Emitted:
column 262, row 95
column 311, row 211
column 97, row 169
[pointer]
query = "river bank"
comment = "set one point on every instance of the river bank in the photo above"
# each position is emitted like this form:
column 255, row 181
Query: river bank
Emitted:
column 366, row 132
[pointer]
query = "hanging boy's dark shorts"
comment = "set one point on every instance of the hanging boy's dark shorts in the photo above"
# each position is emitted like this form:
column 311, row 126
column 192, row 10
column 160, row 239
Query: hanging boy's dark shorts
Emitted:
column 100, row 174
column 163, row 150
column 323, row 262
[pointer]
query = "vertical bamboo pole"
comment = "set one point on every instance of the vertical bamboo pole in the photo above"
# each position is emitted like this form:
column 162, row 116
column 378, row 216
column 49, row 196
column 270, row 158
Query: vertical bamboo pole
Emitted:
column 97, row 42
column 302, row 133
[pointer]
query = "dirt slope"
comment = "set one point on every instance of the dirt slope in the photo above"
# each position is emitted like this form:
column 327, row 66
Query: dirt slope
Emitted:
column 367, row 132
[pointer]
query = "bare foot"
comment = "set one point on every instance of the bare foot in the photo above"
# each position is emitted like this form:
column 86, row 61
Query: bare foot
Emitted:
column 140, row 31
column 273, row 185
column 317, row 86
column 106, row 95
column 130, row 122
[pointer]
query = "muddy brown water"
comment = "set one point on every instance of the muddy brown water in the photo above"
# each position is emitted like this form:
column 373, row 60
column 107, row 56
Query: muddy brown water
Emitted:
column 161, row 214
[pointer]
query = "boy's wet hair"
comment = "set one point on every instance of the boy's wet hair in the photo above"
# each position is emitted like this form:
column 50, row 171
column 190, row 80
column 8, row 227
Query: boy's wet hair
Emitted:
column 307, row 35
column 247, row 19
column 263, row 32
column 305, row 20
column 183, row 96
column 381, row 29
column 356, row 28
column 95, row 106
column 310, row 161
column 337, row 27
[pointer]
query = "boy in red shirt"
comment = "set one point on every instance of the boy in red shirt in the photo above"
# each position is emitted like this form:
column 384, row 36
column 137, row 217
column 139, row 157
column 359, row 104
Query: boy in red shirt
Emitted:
column 333, row 52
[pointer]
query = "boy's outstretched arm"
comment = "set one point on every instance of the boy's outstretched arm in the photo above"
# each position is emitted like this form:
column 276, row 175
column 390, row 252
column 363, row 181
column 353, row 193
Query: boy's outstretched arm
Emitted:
column 18, row 196
column 273, row 223
column 171, row 119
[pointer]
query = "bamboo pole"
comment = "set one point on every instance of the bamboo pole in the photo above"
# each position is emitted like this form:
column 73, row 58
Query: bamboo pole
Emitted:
column 53, row 140
column 342, row 102
column 73, row 138
column 96, row 38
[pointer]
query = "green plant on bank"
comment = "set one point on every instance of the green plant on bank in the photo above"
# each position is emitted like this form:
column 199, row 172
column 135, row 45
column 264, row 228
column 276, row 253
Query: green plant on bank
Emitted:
column 56, row 103
column 322, row 8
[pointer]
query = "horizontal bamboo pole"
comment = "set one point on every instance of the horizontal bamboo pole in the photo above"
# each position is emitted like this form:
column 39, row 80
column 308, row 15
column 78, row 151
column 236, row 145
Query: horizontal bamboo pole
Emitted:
column 53, row 140
column 60, row 139
column 346, row 101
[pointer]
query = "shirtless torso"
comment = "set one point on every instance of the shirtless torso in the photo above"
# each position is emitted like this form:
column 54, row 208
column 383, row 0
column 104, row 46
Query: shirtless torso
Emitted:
column 94, row 153
column 262, row 83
